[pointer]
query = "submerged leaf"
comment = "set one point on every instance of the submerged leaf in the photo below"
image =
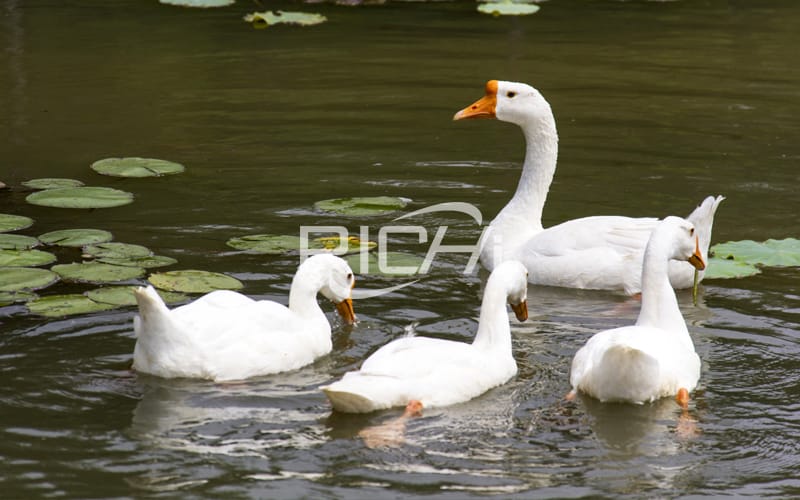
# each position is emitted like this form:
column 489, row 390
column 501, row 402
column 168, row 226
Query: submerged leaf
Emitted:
column 97, row 272
column 726, row 268
column 54, row 306
column 14, row 279
column 136, row 167
column 374, row 205
column 10, row 222
column 76, row 237
column 779, row 253
column 80, row 197
column 261, row 20
column 193, row 281
column 25, row 258
column 17, row 242
column 52, row 183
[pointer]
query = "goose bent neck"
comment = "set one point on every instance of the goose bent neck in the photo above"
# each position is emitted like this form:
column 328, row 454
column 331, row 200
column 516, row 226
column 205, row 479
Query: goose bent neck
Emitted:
column 494, row 332
column 659, row 303
column 303, row 294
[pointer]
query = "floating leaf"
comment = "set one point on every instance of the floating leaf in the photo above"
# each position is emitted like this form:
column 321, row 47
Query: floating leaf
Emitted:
column 397, row 264
column 726, row 268
column 261, row 20
column 136, row 167
column 507, row 8
column 148, row 262
column 54, row 306
column 97, row 272
column 17, row 242
column 25, row 258
column 374, row 205
column 123, row 295
column 76, row 237
column 52, row 183
column 265, row 243
column 9, row 222
column 193, row 281
column 115, row 250
column 7, row 298
column 80, row 197
column 198, row 3
column 778, row 253
column 14, row 279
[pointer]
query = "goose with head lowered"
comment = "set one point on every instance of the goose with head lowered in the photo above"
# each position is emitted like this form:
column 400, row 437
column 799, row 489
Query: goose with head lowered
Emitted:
column 225, row 335
column 654, row 358
column 598, row 252
column 422, row 372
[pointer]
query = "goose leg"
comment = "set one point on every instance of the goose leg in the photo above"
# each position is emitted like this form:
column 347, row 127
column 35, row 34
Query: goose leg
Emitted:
column 682, row 398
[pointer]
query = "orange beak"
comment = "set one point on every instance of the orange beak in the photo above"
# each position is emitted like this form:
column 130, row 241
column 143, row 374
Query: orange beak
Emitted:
column 521, row 310
column 483, row 107
column 697, row 258
column 345, row 310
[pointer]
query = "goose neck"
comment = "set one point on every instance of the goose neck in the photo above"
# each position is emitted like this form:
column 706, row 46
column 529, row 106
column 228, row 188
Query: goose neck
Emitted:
column 494, row 331
column 659, row 303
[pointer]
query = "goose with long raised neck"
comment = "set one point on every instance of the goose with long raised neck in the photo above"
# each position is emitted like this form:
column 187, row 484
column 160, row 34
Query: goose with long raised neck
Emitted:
column 423, row 372
column 225, row 335
column 597, row 252
column 654, row 358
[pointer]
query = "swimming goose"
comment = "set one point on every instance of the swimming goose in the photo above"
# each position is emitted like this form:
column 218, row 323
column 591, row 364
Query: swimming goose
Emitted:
column 420, row 372
column 225, row 335
column 655, row 357
column 600, row 252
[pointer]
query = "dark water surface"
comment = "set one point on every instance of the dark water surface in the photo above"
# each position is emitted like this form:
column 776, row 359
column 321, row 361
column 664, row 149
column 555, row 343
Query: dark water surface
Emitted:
column 658, row 104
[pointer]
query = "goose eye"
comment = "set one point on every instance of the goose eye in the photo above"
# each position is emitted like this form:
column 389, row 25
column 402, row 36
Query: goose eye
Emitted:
column 349, row 276
column 691, row 231
column 510, row 94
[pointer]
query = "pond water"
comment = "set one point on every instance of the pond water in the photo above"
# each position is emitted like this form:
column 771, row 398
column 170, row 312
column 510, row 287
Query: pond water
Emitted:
column 658, row 105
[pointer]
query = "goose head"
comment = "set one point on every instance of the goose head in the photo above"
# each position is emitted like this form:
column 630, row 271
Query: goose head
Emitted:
column 513, row 276
column 512, row 102
column 335, row 281
column 685, row 241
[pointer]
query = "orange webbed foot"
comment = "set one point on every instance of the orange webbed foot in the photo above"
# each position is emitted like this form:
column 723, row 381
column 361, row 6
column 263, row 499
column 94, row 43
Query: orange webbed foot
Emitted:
column 682, row 398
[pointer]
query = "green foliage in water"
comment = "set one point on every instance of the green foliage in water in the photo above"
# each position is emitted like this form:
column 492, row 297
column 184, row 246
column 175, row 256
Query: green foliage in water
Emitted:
column 136, row 167
column 14, row 279
column 10, row 222
column 80, row 197
column 97, row 272
column 508, row 8
column 374, row 205
column 54, row 306
column 397, row 264
column 261, row 20
column 123, row 295
column 75, row 237
column 17, row 242
column 52, row 183
column 25, row 258
column 194, row 281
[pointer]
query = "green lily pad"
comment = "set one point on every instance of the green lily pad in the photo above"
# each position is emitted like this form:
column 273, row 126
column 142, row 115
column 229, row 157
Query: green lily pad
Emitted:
column 97, row 272
column 80, row 197
column 52, row 183
column 777, row 253
column 54, row 306
column 261, row 20
column 25, row 258
column 13, row 279
column 374, row 205
column 9, row 222
column 136, row 167
column 123, row 295
column 198, row 3
column 8, row 298
column 193, row 281
column 147, row 262
column 115, row 250
column 507, row 8
column 265, row 243
column 76, row 237
column 397, row 264
column 726, row 268
column 17, row 242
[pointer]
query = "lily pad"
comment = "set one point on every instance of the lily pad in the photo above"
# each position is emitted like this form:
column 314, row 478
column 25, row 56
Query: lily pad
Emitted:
column 193, row 281
column 198, row 3
column 778, row 253
column 8, row 298
column 80, row 197
column 508, row 8
column 14, row 279
column 265, row 243
column 17, row 242
column 123, row 295
column 148, row 262
column 76, row 237
column 397, row 264
column 115, row 250
column 136, row 167
column 97, row 272
column 374, row 205
column 52, row 183
column 726, row 268
column 9, row 222
column 54, row 306
column 25, row 258
column 261, row 20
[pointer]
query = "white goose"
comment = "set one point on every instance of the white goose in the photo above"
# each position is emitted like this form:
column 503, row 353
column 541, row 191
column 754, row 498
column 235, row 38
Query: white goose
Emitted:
column 655, row 357
column 225, row 335
column 600, row 252
column 420, row 372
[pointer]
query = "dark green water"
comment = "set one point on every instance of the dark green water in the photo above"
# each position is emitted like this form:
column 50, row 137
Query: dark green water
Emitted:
column 658, row 105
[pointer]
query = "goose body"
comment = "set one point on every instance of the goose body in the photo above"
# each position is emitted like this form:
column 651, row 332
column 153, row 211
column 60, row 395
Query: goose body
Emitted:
column 437, row 372
column 225, row 335
column 655, row 357
column 597, row 252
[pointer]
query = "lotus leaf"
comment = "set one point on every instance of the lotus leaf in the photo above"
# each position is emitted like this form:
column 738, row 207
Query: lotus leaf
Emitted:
column 265, row 243
column 726, row 268
column 261, row 20
column 9, row 222
column 52, row 183
column 507, row 8
column 54, row 306
column 136, row 167
column 97, row 272
column 778, row 253
column 193, row 281
column 147, row 262
column 76, row 237
column 25, row 258
column 7, row 298
column 375, row 205
column 14, row 279
column 80, row 197
column 397, row 264
column 115, row 250
column 17, row 242
column 123, row 295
